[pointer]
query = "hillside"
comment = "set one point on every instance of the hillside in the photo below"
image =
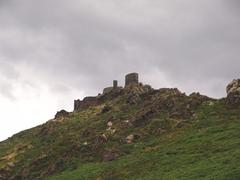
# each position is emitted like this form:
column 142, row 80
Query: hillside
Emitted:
column 134, row 132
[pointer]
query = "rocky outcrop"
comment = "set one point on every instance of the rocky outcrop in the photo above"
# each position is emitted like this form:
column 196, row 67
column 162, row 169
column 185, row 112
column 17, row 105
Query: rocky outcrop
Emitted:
column 233, row 92
column 62, row 114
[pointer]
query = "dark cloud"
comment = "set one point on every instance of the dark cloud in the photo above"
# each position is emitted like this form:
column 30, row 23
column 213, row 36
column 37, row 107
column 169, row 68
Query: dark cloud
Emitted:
column 83, row 45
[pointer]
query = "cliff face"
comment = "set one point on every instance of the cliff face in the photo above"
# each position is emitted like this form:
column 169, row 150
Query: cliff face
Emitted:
column 133, row 132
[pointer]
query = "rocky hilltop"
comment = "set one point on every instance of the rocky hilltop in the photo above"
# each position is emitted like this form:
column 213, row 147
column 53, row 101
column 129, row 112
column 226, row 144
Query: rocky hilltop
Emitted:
column 132, row 132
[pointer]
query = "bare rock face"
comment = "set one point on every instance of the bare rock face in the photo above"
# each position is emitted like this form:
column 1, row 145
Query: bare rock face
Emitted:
column 233, row 92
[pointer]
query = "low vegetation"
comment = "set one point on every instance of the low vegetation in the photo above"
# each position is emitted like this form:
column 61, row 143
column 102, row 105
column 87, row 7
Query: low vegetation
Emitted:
column 136, row 134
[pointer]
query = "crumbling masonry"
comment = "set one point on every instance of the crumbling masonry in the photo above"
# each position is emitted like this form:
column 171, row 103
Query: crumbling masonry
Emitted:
column 130, row 79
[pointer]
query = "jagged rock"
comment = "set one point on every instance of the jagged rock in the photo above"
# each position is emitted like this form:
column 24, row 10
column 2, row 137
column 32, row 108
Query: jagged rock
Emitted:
column 233, row 92
column 197, row 99
column 233, row 86
column 134, row 92
column 61, row 114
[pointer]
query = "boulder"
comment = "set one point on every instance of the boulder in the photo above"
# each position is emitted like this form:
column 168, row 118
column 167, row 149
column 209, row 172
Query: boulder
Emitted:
column 233, row 92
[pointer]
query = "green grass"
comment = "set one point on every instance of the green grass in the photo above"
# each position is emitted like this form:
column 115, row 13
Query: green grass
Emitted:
column 205, row 145
column 208, row 149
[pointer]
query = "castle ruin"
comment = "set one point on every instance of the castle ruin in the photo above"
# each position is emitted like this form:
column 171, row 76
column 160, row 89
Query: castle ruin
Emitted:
column 85, row 103
column 109, row 89
column 130, row 79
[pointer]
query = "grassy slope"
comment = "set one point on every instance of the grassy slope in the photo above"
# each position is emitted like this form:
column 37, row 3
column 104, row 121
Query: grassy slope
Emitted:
column 208, row 148
column 205, row 146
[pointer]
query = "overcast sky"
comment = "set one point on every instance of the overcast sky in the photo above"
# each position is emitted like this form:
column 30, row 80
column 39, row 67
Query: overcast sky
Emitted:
column 55, row 51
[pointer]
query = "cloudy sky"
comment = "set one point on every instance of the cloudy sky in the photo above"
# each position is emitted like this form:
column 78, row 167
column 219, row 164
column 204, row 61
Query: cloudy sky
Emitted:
column 55, row 51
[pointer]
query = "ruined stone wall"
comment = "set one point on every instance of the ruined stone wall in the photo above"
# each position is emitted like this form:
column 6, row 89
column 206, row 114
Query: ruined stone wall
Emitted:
column 131, row 79
column 107, row 90
column 85, row 103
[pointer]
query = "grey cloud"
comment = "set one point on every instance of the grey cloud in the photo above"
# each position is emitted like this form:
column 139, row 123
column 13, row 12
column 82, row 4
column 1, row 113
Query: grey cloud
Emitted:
column 85, row 44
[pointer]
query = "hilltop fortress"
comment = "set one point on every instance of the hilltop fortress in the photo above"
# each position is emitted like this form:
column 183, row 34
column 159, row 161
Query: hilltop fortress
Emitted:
column 133, row 89
column 131, row 80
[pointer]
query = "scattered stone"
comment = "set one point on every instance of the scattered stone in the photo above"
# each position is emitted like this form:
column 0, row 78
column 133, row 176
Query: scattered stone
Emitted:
column 110, row 124
column 211, row 103
column 130, row 139
column 113, row 131
column 62, row 114
column 85, row 143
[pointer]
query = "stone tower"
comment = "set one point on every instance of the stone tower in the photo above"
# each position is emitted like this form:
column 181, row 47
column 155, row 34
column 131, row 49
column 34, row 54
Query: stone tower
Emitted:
column 131, row 78
column 115, row 84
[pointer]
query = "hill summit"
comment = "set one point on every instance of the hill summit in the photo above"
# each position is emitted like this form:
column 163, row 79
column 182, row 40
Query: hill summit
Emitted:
column 132, row 132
